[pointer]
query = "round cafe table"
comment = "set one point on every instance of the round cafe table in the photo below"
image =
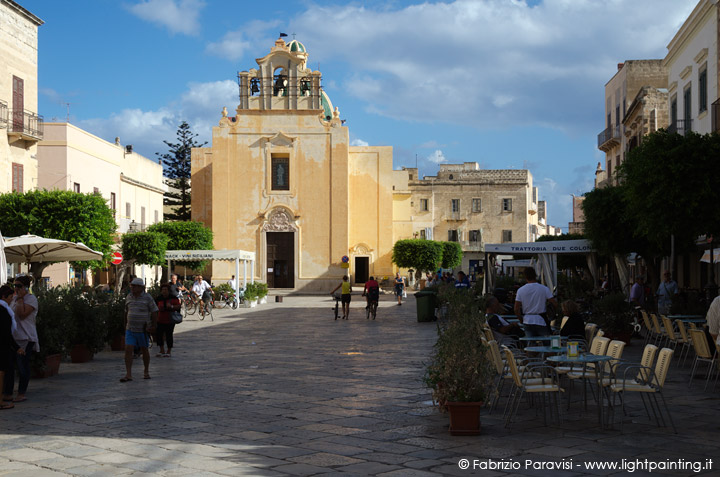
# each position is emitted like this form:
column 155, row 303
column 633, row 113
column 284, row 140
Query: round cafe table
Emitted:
column 584, row 360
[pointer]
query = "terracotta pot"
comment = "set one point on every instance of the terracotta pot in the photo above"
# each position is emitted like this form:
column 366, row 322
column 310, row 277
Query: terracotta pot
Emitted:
column 52, row 363
column 464, row 418
column 80, row 354
column 51, row 368
column 118, row 342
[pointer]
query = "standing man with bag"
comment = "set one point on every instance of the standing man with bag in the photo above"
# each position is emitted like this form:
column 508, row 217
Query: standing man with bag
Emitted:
column 168, row 310
column 665, row 294
column 140, row 317
column 531, row 304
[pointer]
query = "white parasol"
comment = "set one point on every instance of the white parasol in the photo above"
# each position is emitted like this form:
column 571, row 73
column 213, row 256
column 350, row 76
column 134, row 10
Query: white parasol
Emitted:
column 32, row 248
column 3, row 262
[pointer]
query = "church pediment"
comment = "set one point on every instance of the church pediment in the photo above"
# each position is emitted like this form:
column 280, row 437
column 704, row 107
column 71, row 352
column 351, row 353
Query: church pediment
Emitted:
column 280, row 140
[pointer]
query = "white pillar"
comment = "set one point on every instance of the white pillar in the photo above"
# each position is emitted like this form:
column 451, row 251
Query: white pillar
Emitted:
column 245, row 273
column 252, row 271
column 237, row 279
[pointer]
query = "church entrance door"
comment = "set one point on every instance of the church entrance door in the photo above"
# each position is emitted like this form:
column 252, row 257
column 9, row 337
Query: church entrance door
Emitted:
column 281, row 259
column 362, row 269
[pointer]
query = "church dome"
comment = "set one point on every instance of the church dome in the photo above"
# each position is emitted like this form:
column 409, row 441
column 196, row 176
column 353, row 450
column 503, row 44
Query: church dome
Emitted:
column 297, row 46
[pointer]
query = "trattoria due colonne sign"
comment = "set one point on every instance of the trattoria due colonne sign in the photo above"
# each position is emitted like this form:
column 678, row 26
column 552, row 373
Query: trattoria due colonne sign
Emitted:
column 560, row 246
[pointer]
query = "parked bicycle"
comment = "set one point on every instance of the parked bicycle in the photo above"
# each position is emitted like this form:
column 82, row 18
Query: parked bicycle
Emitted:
column 227, row 299
column 337, row 305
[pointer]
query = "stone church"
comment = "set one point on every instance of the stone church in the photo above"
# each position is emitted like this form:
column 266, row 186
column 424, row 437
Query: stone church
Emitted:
column 280, row 179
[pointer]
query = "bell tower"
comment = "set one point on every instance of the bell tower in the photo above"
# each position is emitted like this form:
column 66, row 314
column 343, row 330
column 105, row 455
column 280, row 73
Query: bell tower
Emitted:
column 282, row 81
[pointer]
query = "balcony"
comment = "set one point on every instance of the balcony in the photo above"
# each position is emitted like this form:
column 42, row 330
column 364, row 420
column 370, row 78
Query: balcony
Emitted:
column 454, row 216
column 609, row 138
column 680, row 126
column 715, row 111
column 25, row 126
column 471, row 246
column 533, row 208
column 3, row 114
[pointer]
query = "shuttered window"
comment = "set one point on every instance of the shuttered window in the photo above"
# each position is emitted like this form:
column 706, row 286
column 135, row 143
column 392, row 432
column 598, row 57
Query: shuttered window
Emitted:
column 17, row 177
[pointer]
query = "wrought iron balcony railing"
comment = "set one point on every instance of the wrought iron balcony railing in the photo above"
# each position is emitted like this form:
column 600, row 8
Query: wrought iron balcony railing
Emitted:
column 3, row 114
column 609, row 137
column 26, row 124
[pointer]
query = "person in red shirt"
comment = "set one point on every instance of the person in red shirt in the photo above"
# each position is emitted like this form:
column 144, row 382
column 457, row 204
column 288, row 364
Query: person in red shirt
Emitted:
column 166, row 304
column 371, row 291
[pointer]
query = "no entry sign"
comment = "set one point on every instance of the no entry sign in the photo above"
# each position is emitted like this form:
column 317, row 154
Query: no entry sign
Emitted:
column 116, row 258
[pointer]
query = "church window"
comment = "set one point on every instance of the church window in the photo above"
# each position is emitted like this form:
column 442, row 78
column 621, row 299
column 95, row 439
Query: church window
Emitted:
column 280, row 172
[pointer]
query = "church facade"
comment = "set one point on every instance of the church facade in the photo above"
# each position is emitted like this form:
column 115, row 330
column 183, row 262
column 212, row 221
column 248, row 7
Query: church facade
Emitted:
column 280, row 179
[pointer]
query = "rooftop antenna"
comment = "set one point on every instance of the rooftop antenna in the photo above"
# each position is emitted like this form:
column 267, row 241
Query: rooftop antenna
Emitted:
column 415, row 160
column 67, row 117
column 294, row 35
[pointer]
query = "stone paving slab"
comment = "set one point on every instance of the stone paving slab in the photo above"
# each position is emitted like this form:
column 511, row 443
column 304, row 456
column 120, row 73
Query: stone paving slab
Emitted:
column 283, row 389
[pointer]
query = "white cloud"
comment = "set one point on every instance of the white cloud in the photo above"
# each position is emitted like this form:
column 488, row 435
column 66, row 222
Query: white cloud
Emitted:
column 359, row 142
column 178, row 16
column 437, row 157
column 488, row 64
column 200, row 105
column 251, row 37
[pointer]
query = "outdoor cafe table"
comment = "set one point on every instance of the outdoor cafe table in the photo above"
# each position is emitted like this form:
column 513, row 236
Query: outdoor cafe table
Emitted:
column 543, row 338
column 543, row 350
column 688, row 318
column 585, row 359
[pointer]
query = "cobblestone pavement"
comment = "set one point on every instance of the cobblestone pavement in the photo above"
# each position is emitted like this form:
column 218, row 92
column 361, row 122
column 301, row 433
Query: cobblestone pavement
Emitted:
column 283, row 389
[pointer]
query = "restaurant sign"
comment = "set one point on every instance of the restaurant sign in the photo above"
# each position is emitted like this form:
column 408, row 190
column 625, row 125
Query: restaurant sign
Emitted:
column 559, row 246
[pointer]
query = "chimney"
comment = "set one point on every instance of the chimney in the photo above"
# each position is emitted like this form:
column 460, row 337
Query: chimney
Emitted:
column 128, row 149
column 620, row 66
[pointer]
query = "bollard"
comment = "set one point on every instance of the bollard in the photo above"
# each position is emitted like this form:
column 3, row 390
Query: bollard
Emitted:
column 278, row 299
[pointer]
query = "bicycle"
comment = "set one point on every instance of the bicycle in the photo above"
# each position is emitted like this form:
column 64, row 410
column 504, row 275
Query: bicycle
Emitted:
column 371, row 309
column 337, row 306
column 206, row 308
column 227, row 299
column 189, row 305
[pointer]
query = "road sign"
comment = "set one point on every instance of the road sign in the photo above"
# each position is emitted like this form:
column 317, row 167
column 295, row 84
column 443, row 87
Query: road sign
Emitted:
column 116, row 258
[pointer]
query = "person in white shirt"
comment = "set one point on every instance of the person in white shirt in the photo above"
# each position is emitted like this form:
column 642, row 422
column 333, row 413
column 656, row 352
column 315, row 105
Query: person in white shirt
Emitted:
column 531, row 304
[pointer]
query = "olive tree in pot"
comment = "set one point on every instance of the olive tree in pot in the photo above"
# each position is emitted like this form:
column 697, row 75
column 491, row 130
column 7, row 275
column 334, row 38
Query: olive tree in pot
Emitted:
column 51, row 323
column 87, row 330
column 460, row 372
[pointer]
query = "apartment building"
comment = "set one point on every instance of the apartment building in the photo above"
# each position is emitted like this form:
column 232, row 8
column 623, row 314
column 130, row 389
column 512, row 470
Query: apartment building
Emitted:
column 622, row 89
column 692, row 68
column 70, row 158
column 21, row 127
column 469, row 205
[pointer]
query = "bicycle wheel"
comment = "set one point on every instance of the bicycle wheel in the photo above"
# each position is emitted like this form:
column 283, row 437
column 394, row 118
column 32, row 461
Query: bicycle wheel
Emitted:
column 373, row 307
column 234, row 304
column 336, row 309
column 223, row 302
column 209, row 310
column 191, row 307
column 368, row 310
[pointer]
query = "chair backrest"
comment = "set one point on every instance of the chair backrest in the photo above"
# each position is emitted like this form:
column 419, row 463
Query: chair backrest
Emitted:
column 614, row 350
column 599, row 345
column 488, row 333
column 496, row 357
column 599, row 334
column 662, row 366
column 693, row 326
column 648, row 357
column 656, row 323
column 700, row 343
column 682, row 331
column 646, row 320
column 512, row 365
column 590, row 329
column 667, row 323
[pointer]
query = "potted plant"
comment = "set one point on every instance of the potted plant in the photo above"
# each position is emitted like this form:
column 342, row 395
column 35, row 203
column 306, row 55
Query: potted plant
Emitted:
column 115, row 320
column 460, row 372
column 262, row 291
column 615, row 316
column 51, row 323
column 87, row 328
column 251, row 295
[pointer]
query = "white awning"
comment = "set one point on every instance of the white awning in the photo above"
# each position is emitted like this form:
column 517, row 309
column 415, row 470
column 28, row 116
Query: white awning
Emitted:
column 195, row 255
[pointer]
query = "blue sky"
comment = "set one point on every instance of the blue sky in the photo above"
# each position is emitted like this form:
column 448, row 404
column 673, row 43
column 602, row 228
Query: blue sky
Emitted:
column 505, row 83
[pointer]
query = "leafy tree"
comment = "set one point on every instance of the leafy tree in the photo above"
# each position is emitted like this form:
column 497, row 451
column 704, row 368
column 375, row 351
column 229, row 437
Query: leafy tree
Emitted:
column 186, row 236
column 177, row 168
column 672, row 187
column 145, row 248
column 418, row 254
column 61, row 215
column 452, row 254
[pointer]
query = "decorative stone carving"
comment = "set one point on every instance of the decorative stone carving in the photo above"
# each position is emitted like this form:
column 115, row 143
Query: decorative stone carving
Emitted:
column 279, row 221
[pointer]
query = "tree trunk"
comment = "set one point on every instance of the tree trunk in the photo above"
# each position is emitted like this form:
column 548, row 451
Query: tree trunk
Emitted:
column 622, row 269
column 36, row 270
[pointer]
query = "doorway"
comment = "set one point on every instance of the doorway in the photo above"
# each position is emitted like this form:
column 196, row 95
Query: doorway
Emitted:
column 280, row 259
column 362, row 269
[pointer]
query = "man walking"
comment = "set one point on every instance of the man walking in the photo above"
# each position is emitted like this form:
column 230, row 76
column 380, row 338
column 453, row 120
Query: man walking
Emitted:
column 531, row 304
column 140, row 318
column 665, row 293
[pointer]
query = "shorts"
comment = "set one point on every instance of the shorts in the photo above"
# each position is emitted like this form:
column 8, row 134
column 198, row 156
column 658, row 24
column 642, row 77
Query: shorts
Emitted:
column 345, row 298
column 398, row 290
column 136, row 338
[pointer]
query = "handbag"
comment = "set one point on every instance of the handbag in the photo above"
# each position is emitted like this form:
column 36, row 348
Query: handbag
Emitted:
column 176, row 317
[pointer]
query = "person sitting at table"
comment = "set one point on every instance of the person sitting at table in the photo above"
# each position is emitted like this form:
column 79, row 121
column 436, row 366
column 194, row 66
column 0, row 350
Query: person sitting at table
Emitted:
column 573, row 323
column 505, row 333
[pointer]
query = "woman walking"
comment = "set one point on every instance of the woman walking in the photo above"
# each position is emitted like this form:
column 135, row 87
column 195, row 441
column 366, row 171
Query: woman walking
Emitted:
column 166, row 304
column 345, row 297
column 399, row 287
column 25, row 307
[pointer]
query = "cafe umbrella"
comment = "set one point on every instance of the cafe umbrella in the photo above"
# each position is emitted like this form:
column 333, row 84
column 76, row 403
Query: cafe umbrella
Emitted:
column 34, row 249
